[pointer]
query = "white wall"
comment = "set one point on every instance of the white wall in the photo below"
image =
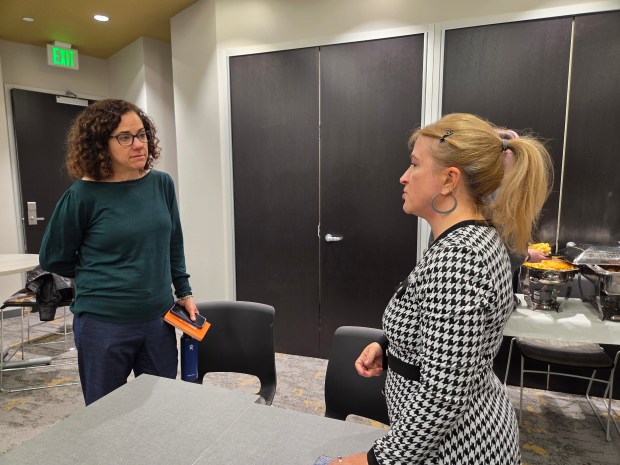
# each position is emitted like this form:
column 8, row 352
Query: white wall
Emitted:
column 126, row 74
column 196, row 100
column 160, row 102
column 8, row 232
column 206, row 32
column 142, row 74
column 242, row 23
column 26, row 66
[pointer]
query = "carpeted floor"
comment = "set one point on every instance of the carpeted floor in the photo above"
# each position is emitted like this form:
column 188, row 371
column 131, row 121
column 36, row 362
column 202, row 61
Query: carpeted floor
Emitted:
column 557, row 428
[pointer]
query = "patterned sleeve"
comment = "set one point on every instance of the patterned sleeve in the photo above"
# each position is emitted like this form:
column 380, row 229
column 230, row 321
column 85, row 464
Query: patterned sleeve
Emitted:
column 452, row 304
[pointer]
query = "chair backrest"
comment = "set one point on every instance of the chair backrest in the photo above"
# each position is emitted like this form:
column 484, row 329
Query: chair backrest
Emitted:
column 346, row 392
column 240, row 340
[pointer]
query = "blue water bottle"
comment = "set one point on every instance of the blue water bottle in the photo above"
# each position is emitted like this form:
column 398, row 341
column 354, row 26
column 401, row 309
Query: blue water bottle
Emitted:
column 189, row 358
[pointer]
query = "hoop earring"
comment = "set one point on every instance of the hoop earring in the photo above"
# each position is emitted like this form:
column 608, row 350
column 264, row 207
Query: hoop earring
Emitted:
column 444, row 212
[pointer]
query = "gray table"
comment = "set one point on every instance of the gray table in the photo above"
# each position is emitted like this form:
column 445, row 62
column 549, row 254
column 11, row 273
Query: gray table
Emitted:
column 160, row 421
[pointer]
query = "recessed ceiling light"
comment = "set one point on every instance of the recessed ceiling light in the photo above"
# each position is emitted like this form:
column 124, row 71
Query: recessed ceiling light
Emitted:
column 101, row 18
column 27, row 19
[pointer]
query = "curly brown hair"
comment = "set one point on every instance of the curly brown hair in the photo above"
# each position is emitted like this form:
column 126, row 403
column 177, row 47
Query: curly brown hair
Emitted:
column 89, row 135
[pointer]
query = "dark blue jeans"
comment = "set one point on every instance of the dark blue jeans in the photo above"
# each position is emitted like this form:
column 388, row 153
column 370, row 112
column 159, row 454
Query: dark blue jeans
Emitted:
column 108, row 352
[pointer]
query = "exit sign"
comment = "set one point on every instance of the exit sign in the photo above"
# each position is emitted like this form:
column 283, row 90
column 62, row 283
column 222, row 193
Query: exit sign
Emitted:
column 64, row 57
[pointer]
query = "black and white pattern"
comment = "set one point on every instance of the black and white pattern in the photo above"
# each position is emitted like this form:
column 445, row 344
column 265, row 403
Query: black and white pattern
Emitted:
column 449, row 322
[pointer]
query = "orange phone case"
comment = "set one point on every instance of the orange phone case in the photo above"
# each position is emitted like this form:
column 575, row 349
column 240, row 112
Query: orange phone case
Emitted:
column 188, row 329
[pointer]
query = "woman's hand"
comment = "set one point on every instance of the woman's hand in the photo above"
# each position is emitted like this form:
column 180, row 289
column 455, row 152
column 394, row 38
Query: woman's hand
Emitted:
column 536, row 256
column 357, row 459
column 190, row 306
column 370, row 362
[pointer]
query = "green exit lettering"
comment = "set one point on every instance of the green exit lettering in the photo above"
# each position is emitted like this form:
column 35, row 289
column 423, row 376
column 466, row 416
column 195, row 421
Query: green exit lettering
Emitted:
column 63, row 57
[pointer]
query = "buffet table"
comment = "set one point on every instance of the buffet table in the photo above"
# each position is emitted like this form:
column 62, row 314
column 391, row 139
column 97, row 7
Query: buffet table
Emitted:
column 153, row 420
column 578, row 321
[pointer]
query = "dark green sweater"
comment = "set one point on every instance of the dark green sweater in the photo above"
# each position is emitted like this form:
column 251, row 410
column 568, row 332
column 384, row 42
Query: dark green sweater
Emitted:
column 123, row 244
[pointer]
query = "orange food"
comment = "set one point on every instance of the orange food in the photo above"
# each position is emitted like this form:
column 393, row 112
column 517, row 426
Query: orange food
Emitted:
column 553, row 264
column 543, row 247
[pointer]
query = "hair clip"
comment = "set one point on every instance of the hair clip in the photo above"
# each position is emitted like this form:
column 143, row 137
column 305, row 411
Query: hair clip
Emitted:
column 443, row 138
column 504, row 145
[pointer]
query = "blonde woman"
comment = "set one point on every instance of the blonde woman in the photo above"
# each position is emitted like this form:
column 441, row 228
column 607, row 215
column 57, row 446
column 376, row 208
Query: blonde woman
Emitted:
column 444, row 325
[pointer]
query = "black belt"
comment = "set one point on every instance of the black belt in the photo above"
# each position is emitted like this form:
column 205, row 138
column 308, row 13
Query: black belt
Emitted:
column 404, row 369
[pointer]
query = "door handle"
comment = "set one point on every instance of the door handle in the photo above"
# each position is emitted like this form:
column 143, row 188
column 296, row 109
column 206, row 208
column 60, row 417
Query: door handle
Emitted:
column 33, row 219
column 333, row 238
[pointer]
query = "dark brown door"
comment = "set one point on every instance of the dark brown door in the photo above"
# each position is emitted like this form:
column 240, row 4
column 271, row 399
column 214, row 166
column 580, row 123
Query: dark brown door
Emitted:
column 515, row 75
column 275, row 139
column 40, row 125
column 371, row 100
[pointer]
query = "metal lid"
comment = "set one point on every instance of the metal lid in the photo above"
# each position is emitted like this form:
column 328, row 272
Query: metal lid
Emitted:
column 587, row 254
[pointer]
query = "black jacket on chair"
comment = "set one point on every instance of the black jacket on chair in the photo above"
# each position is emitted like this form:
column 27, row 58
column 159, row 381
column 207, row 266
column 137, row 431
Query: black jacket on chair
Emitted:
column 51, row 290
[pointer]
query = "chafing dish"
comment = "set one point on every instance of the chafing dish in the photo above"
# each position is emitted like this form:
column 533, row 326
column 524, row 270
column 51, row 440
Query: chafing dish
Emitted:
column 542, row 287
column 607, row 277
column 587, row 254
column 601, row 266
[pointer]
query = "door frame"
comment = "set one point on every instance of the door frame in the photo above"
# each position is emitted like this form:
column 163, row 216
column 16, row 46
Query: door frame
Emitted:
column 15, row 181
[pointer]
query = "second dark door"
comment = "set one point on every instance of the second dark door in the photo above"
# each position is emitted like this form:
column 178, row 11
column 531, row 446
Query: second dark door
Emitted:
column 40, row 125
column 371, row 100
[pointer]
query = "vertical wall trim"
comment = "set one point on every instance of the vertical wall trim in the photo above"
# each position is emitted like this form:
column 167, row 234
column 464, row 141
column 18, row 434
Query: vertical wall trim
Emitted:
column 431, row 98
column 318, row 335
column 570, row 69
column 226, row 158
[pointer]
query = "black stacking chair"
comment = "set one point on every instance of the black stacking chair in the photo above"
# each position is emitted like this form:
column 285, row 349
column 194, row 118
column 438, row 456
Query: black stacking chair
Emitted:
column 583, row 355
column 240, row 340
column 346, row 392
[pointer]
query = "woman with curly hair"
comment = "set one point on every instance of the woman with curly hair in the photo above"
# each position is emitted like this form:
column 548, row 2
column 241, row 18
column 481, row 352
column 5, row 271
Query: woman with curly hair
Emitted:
column 117, row 232
column 443, row 326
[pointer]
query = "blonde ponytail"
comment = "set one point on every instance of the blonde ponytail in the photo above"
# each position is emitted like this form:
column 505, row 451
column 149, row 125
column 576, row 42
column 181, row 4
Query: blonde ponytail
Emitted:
column 522, row 193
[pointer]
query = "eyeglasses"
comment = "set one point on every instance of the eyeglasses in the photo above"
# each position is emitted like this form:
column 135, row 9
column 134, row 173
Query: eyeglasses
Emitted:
column 125, row 139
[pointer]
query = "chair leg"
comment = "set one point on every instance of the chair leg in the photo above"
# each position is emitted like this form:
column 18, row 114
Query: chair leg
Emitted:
column 607, row 402
column 609, row 410
column 512, row 341
column 21, row 327
column 610, row 388
column 521, row 391
column 64, row 322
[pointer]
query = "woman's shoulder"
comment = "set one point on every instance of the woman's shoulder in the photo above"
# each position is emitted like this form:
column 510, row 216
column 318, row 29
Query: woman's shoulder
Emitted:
column 76, row 195
column 160, row 176
column 467, row 242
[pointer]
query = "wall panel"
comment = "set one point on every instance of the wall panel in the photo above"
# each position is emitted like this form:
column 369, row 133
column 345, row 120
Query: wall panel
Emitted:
column 515, row 75
column 591, row 194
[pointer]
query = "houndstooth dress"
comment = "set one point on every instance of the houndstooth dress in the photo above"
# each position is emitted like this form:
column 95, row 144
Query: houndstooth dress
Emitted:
column 449, row 322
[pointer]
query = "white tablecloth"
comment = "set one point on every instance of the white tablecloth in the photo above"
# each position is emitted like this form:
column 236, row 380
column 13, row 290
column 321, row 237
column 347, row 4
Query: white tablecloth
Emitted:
column 578, row 321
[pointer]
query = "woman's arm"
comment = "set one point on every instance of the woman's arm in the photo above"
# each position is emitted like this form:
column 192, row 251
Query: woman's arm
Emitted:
column 63, row 237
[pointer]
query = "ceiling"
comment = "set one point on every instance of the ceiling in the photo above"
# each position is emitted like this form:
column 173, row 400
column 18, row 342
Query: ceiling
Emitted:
column 71, row 21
